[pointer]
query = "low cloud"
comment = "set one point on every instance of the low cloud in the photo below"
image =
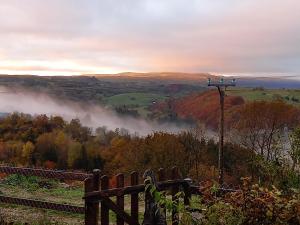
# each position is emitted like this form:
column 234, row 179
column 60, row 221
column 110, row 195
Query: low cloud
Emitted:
column 90, row 115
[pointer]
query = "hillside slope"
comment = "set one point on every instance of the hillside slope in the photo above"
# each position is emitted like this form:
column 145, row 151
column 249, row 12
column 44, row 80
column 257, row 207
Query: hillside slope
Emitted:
column 205, row 107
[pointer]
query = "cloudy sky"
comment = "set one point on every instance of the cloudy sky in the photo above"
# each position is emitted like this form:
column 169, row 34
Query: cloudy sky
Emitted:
column 111, row 36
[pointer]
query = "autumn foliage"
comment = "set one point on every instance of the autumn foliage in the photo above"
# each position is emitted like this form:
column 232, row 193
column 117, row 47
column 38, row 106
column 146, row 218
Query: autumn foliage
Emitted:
column 252, row 204
column 260, row 124
column 203, row 107
column 255, row 145
column 53, row 143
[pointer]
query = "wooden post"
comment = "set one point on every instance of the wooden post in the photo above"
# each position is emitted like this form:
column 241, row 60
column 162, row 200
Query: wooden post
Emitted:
column 221, row 137
column 92, row 208
column 104, row 208
column 161, row 175
column 96, row 187
column 89, row 206
column 221, row 88
column 187, row 191
column 120, row 199
column 135, row 198
column 175, row 190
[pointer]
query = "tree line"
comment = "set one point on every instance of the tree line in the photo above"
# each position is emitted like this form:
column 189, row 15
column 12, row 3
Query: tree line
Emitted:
column 263, row 142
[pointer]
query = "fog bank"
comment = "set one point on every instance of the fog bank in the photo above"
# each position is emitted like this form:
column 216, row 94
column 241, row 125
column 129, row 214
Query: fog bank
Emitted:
column 90, row 115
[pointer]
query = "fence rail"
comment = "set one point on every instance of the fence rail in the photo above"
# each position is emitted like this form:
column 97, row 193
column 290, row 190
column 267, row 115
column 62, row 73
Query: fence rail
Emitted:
column 42, row 204
column 102, row 194
column 98, row 190
column 52, row 174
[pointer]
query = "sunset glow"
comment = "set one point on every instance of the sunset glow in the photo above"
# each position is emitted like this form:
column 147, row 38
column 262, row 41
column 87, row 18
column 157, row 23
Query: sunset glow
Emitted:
column 68, row 37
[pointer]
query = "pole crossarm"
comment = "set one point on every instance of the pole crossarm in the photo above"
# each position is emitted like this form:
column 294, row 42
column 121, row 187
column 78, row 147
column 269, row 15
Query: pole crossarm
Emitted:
column 221, row 85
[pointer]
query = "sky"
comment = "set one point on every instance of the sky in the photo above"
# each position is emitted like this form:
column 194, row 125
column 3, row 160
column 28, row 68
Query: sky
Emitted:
column 64, row 37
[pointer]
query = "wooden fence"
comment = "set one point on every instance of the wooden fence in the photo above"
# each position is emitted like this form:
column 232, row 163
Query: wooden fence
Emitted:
column 52, row 174
column 99, row 191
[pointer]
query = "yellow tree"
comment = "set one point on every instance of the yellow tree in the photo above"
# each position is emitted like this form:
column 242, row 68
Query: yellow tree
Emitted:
column 74, row 154
column 27, row 153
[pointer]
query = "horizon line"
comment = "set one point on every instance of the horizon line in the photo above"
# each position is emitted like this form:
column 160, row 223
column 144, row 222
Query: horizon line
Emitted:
column 166, row 74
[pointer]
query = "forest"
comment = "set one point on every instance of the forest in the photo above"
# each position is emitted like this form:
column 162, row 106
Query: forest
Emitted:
column 263, row 142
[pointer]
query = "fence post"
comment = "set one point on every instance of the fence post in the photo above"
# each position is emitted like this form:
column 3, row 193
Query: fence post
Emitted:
column 161, row 174
column 104, row 208
column 187, row 191
column 175, row 190
column 92, row 208
column 135, row 198
column 120, row 199
column 88, row 187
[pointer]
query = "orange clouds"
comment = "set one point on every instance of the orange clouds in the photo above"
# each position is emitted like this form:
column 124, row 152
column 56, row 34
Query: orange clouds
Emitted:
column 149, row 35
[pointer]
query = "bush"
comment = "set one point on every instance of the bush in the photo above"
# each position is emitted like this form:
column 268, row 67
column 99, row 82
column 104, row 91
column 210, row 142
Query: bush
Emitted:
column 30, row 183
column 224, row 213
column 252, row 205
column 259, row 205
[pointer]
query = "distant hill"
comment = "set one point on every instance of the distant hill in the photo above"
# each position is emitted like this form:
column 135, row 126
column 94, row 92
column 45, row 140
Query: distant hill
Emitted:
column 269, row 82
column 158, row 75
column 139, row 93
column 126, row 95
column 154, row 78
column 201, row 78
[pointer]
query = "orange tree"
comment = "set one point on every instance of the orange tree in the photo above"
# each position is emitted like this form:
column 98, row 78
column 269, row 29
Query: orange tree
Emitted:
column 262, row 127
column 260, row 124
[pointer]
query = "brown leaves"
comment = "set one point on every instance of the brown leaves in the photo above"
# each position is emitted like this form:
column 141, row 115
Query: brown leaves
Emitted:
column 259, row 205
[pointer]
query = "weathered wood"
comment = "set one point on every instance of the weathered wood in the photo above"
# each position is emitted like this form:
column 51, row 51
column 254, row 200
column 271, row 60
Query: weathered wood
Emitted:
column 97, row 195
column 96, row 187
column 104, row 208
column 187, row 191
column 153, row 214
column 41, row 204
column 134, row 197
column 92, row 207
column 89, row 206
column 119, row 211
column 175, row 190
column 120, row 199
column 195, row 190
column 161, row 174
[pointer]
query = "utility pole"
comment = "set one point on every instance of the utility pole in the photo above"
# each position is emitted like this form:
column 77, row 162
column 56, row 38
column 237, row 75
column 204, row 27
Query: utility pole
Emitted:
column 222, row 86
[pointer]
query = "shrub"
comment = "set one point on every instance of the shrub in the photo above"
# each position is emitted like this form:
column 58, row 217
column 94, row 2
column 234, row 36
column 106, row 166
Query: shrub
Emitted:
column 30, row 183
column 252, row 205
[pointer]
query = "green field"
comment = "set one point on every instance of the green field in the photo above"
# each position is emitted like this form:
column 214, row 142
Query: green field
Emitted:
column 290, row 96
column 136, row 101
